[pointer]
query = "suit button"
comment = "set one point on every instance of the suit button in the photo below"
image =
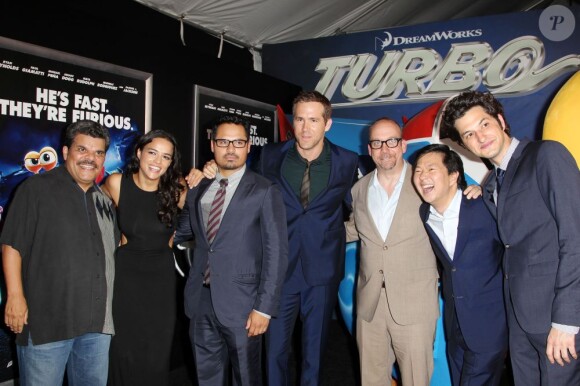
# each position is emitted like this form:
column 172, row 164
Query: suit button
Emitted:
column 385, row 248
column 505, row 276
column 381, row 271
column 507, row 246
column 453, row 269
column 211, row 251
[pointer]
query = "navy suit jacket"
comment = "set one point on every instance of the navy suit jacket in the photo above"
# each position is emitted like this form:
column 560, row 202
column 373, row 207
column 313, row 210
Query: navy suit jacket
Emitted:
column 316, row 235
column 538, row 215
column 248, row 256
column 472, row 281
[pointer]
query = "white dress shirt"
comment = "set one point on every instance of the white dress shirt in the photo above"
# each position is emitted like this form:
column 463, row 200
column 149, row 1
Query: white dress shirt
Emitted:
column 445, row 224
column 381, row 206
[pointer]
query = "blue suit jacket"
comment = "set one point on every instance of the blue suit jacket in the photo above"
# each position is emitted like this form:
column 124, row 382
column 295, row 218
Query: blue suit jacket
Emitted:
column 472, row 281
column 538, row 215
column 316, row 235
column 248, row 256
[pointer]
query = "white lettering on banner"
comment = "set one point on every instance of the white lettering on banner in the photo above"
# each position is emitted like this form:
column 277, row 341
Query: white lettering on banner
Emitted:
column 516, row 67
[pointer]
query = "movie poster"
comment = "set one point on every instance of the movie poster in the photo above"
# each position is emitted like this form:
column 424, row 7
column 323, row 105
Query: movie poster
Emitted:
column 41, row 92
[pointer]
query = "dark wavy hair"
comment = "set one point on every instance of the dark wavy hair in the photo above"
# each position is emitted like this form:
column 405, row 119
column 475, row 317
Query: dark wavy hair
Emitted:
column 451, row 160
column 459, row 105
column 170, row 186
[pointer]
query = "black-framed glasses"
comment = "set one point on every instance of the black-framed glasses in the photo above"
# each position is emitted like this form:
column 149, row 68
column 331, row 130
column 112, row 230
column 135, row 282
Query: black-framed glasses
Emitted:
column 391, row 143
column 220, row 142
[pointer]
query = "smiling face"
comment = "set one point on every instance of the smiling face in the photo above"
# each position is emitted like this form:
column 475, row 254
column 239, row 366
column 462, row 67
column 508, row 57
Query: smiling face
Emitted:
column 483, row 135
column 84, row 159
column 435, row 184
column 155, row 158
column 309, row 128
column 230, row 159
column 386, row 158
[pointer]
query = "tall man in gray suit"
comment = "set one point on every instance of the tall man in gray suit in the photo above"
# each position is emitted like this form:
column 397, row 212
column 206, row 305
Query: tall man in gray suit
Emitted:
column 534, row 196
column 240, row 258
column 397, row 304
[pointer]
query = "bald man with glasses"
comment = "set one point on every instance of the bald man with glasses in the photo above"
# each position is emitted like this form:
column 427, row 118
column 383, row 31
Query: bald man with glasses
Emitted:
column 397, row 295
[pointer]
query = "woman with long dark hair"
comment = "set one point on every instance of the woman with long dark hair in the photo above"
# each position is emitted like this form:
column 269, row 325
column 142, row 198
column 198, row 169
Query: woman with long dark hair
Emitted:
column 148, row 196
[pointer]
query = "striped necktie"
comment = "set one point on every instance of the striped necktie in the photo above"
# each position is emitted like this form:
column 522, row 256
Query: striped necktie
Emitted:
column 305, row 187
column 500, row 173
column 214, row 220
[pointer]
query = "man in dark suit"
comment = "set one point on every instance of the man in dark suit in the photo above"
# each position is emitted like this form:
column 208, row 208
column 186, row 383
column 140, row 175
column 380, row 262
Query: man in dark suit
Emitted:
column 240, row 259
column 464, row 237
column 534, row 196
column 315, row 177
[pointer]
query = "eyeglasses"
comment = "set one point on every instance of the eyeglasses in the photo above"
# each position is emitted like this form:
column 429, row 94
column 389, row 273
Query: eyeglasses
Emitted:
column 391, row 143
column 226, row 142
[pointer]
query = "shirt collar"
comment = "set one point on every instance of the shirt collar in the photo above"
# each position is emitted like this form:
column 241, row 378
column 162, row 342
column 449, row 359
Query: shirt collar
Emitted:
column 376, row 184
column 233, row 178
column 67, row 176
column 453, row 208
column 508, row 155
column 324, row 154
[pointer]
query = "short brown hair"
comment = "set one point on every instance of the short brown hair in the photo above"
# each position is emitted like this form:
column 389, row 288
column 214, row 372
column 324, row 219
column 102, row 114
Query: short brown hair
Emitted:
column 313, row 96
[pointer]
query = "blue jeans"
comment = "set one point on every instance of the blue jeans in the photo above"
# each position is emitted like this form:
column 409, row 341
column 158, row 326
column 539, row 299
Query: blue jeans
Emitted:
column 86, row 359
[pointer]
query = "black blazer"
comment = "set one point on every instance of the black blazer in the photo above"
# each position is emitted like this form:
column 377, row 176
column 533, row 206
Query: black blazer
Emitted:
column 472, row 281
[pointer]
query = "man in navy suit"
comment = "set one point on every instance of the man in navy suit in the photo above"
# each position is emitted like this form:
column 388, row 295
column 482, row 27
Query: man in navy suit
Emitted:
column 316, row 234
column 534, row 196
column 464, row 237
column 240, row 259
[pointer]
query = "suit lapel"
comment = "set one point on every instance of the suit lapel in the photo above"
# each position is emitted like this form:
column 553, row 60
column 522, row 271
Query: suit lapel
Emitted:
column 509, row 176
column 202, row 188
column 463, row 227
column 425, row 212
column 405, row 207
column 290, row 196
column 366, row 211
column 244, row 187
column 488, row 188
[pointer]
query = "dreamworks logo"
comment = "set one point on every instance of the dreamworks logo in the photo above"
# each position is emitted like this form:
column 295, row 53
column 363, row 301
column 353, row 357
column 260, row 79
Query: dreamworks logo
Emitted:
column 381, row 44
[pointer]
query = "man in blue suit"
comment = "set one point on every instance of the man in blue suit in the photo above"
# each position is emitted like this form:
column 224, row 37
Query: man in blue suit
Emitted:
column 464, row 237
column 533, row 194
column 315, row 177
column 240, row 259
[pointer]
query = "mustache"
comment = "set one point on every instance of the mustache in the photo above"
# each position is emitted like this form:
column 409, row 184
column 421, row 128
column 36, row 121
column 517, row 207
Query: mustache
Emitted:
column 87, row 162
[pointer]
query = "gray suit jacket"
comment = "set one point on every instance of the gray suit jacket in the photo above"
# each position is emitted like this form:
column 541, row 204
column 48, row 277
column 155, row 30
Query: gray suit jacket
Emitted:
column 249, row 255
column 538, row 215
column 405, row 259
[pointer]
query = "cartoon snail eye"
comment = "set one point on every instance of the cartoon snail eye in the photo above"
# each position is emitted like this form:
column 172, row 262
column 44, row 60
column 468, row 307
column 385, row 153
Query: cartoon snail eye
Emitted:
column 48, row 158
column 31, row 162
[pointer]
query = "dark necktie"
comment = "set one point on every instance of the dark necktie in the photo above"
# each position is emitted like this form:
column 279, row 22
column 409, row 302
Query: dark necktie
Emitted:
column 305, row 187
column 214, row 219
column 499, row 174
